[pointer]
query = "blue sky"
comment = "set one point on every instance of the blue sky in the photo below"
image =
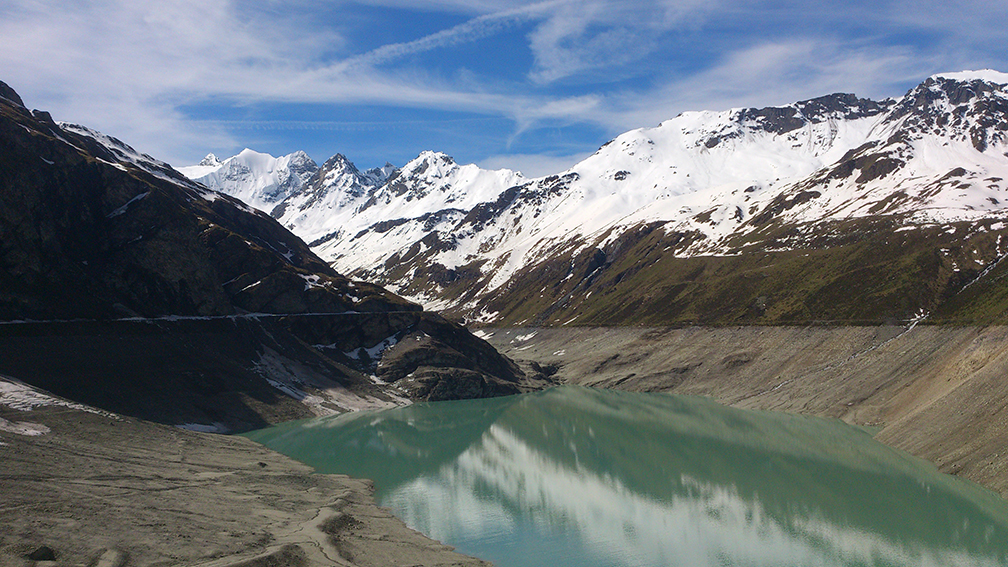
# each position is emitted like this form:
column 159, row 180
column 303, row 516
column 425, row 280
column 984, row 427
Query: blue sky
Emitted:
column 533, row 86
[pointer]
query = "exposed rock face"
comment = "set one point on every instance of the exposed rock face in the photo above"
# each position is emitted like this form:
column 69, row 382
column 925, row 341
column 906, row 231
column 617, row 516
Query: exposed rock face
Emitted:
column 972, row 109
column 87, row 234
column 9, row 94
column 337, row 174
column 116, row 261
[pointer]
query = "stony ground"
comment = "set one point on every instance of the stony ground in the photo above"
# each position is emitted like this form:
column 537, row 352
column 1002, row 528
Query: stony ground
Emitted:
column 96, row 489
column 940, row 393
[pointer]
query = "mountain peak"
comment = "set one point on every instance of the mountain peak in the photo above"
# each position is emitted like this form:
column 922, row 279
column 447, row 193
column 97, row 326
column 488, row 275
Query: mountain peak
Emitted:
column 969, row 105
column 340, row 164
column 957, row 88
column 430, row 164
column 301, row 165
column 300, row 156
column 210, row 161
column 257, row 178
column 379, row 175
column 249, row 153
column 784, row 119
column 432, row 157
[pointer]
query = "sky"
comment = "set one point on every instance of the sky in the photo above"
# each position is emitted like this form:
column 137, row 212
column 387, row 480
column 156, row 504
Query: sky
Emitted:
column 531, row 86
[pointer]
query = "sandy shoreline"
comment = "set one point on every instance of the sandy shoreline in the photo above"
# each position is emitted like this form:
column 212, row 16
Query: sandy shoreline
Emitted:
column 94, row 489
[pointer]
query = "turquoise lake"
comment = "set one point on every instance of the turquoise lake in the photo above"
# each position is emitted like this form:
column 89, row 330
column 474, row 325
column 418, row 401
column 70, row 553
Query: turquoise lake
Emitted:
column 584, row 477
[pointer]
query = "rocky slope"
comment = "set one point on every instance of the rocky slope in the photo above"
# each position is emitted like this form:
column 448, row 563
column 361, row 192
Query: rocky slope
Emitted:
column 126, row 285
column 832, row 209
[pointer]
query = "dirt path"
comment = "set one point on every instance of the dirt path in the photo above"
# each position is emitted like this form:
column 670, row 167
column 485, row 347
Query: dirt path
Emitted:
column 940, row 393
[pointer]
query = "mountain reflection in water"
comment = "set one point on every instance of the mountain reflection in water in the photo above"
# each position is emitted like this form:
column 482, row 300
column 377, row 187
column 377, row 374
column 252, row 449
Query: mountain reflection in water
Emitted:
column 575, row 476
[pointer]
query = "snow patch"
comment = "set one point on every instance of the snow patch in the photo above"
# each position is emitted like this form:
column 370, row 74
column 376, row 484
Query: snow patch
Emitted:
column 215, row 427
column 23, row 428
column 989, row 75
column 123, row 208
column 374, row 353
column 321, row 395
column 312, row 281
column 22, row 397
column 522, row 338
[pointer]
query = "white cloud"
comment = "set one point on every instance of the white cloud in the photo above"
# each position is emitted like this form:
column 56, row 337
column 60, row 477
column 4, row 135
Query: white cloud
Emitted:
column 471, row 30
column 132, row 69
column 442, row 6
column 592, row 35
column 127, row 67
column 773, row 73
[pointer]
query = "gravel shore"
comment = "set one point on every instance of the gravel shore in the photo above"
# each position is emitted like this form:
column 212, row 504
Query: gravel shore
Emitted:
column 90, row 488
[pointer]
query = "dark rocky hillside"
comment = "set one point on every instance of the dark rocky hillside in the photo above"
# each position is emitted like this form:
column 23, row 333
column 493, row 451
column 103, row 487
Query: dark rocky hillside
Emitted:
column 125, row 285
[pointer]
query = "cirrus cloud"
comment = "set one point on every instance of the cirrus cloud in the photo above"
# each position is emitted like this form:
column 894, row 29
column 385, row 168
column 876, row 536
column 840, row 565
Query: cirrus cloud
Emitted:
column 157, row 74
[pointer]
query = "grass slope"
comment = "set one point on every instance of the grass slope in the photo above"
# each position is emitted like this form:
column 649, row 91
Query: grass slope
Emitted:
column 856, row 272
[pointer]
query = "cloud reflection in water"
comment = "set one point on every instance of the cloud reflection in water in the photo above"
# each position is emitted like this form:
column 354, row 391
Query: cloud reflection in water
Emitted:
column 574, row 476
column 503, row 486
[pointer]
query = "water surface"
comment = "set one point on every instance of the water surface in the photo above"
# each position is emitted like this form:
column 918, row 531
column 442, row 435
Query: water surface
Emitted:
column 575, row 476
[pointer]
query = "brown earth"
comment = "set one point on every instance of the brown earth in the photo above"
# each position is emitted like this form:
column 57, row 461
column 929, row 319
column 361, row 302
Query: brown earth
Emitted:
column 102, row 490
column 937, row 392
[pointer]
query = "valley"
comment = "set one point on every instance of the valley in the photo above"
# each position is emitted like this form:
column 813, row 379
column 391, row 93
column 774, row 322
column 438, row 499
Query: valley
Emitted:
column 836, row 257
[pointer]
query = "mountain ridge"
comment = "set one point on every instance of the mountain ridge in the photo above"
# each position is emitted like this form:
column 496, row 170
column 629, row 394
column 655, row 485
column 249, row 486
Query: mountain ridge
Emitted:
column 806, row 176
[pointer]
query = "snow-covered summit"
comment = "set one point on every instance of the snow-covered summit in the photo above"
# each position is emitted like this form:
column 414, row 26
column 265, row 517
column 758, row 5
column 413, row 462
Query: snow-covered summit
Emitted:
column 340, row 201
column 379, row 175
column 435, row 178
column 258, row 179
column 988, row 75
column 210, row 161
column 719, row 176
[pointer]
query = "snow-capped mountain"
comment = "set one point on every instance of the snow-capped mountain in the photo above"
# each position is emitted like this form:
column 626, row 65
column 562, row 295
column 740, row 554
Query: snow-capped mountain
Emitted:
column 339, row 202
column 258, row 179
column 712, row 184
column 348, row 217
